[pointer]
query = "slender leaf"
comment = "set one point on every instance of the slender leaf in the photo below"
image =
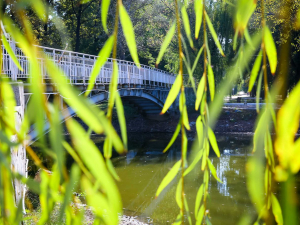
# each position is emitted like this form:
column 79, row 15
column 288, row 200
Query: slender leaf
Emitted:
column 168, row 178
column 194, row 163
column 121, row 118
column 213, row 170
column 214, row 34
column 276, row 209
column 213, row 141
column 198, row 7
column 173, row 93
column 199, row 128
column 11, row 52
column 258, row 90
column 112, row 169
column 166, row 42
column 102, row 58
column 129, row 34
column 197, row 59
column 255, row 70
column 270, row 49
column 198, row 199
column 200, row 92
column 211, row 82
column 177, row 130
column 200, row 215
column 186, row 24
column 104, row 10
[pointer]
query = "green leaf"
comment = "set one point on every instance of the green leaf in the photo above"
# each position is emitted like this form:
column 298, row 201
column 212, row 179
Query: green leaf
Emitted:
column 235, row 39
column 166, row 43
column 213, row 141
column 168, row 178
column 245, row 9
column 177, row 130
column 186, row 24
column 185, row 118
column 10, row 52
column 213, row 170
column 200, row 92
column 197, row 59
column 102, row 58
column 214, row 34
column 129, row 34
column 270, row 49
column 258, row 90
column 276, row 209
column 199, row 128
column 121, row 118
column 194, row 163
column 40, row 9
column 198, row 200
column 104, row 10
column 200, row 215
column 191, row 78
column 248, row 38
column 198, row 7
column 112, row 169
column 255, row 70
column 255, row 174
column 178, row 194
column 92, row 158
column 211, row 82
column 173, row 93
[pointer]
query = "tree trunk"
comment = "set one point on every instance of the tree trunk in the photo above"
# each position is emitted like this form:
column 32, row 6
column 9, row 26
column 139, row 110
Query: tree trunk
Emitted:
column 77, row 42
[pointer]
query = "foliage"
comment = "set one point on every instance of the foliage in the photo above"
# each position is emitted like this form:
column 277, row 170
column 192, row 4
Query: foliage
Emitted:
column 274, row 159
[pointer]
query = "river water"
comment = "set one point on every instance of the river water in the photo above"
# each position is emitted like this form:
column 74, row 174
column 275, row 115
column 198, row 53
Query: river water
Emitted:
column 144, row 167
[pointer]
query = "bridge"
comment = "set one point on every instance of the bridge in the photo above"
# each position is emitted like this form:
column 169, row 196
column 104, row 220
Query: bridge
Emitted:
column 144, row 87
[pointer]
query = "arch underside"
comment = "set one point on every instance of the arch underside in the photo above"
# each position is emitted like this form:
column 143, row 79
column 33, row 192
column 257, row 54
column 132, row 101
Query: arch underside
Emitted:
column 148, row 104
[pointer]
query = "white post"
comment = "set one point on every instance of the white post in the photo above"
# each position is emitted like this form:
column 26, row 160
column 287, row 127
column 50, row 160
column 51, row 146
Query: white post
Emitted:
column 18, row 154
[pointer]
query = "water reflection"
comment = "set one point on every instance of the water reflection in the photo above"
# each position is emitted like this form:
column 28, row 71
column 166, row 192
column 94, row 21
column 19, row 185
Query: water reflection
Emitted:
column 144, row 167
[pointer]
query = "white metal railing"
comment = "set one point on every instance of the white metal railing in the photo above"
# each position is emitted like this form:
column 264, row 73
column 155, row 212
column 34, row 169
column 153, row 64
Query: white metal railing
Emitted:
column 78, row 66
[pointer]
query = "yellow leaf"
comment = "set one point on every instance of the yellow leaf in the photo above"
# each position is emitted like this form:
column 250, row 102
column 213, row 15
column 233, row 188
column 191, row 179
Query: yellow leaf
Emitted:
column 198, row 7
column 270, row 49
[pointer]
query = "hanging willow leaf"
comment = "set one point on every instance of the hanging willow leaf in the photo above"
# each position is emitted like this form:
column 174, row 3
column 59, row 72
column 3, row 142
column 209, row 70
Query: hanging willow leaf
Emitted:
column 168, row 178
column 200, row 215
column 270, row 49
column 199, row 128
column 214, row 34
column 213, row 141
column 198, row 200
column 185, row 118
column 104, row 10
column 194, row 163
column 276, row 209
column 11, row 52
column 198, row 7
column 211, row 82
column 248, row 38
column 235, row 39
column 186, row 24
column 197, row 59
column 245, row 9
column 200, row 92
column 129, row 34
column 102, row 58
column 121, row 118
column 166, row 43
column 255, row 71
column 258, row 90
column 178, row 194
column 173, row 93
column 177, row 130
column 213, row 170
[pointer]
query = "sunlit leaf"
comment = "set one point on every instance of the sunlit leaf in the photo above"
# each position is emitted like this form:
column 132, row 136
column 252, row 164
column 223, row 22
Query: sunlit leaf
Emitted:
column 112, row 170
column 200, row 215
column 244, row 10
column 270, row 49
column 185, row 118
column 104, row 10
column 173, row 93
column 235, row 39
column 168, row 178
column 200, row 92
column 194, row 163
column 255, row 70
column 197, row 59
column 199, row 128
column 276, row 209
column 121, row 118
column 198, row 200
column 129, row 34
column 258, row 90
column 214, row 34
column 198, row 7
column 186, row 24
column 178, row 195
column 211, row 82
column 213, row 170
column 247, row 37
column 213, row 141
column 175, row 134
column 102, row 58
column 166, row 43
column 11, row 52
